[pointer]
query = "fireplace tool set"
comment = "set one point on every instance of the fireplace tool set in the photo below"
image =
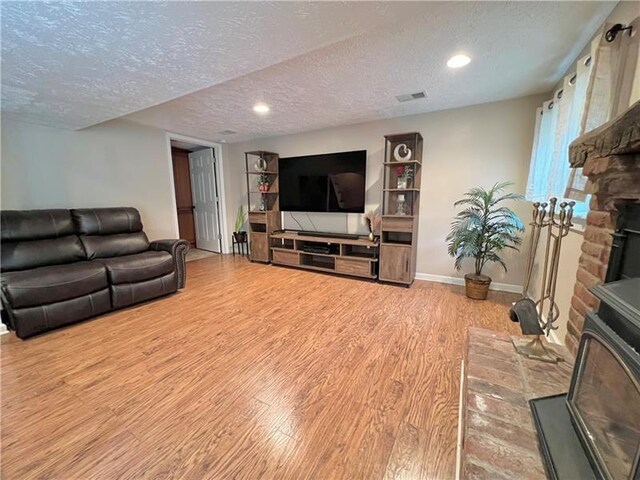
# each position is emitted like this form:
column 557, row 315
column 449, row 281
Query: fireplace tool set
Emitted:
column 538, row 317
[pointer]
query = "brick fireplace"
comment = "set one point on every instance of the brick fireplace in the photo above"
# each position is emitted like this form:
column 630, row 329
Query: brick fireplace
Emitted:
column 610, row 158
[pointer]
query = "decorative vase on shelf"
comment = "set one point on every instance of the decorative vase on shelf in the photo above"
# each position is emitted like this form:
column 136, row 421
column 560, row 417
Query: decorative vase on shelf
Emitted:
column 372, row 237
column 404, row 175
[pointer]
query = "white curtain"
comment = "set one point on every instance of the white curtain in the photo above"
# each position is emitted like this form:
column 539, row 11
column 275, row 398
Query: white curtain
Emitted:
column 605, row 83
column 575, row 186
column 540, row 169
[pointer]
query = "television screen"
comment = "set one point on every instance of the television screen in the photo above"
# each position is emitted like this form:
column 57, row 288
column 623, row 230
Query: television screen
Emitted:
column 333, row 182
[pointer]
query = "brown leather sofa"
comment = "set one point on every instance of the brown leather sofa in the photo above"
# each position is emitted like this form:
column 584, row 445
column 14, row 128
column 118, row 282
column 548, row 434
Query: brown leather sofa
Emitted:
column 63, row 266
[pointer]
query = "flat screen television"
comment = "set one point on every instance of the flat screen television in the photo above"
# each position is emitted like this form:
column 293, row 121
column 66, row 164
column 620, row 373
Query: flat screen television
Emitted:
column 332, row 182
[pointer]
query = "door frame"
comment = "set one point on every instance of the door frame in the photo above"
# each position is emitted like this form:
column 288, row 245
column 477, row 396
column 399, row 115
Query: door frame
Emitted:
column 217, row 150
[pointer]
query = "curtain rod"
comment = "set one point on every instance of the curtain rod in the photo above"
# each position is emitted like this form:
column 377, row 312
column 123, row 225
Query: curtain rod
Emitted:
column 611, row 34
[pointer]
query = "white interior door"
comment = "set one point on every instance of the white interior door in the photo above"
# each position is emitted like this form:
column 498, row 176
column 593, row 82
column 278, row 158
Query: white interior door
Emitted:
column 206, row 213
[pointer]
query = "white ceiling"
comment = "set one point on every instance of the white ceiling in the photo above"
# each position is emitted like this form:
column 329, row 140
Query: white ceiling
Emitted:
column 197, row 68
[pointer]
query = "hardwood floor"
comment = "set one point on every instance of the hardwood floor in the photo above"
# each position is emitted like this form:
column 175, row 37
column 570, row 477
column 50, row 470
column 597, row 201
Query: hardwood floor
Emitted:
column 252, row 371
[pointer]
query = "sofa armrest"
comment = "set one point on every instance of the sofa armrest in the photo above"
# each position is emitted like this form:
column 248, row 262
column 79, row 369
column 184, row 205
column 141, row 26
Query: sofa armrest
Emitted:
column 178, row 250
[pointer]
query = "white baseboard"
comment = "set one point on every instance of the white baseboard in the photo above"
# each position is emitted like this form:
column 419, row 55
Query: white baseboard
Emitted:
column 503, row 287
column 3, row 329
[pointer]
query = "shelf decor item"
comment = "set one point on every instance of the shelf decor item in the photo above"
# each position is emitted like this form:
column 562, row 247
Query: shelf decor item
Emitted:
column 373, row 220
column 263, row 202
column 404, row 177
column 402, row 172
column 400, row 208
column 263, row 183
column 402, row 153
column 260, row 165
column 481, row 231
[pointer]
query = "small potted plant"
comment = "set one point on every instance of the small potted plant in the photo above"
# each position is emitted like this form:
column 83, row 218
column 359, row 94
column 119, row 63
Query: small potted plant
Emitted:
column 404, row 176
column 239, row 234
column 481, row 231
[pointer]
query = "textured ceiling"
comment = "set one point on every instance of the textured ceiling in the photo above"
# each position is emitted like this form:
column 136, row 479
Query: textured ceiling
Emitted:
column 75, row 64
column 315, row 64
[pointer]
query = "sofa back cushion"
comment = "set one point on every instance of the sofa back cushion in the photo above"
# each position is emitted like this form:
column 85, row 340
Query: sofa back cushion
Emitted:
column 106, row 221
column 115, row 245
column 110, row 232
column 20, row 225
column 36, row 238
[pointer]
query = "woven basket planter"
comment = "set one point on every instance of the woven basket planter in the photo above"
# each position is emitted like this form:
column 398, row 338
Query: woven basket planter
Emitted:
column 477, row 286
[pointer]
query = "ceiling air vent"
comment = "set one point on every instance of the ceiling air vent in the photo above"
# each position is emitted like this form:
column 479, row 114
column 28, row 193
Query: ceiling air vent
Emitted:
column 411, row 96
column 227, row 132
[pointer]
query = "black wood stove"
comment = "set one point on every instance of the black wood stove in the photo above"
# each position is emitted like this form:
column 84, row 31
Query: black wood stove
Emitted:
column 593, row 432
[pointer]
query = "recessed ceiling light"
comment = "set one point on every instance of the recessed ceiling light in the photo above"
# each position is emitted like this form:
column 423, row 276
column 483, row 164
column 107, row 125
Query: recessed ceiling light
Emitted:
column 261, row 108
column 458, row 61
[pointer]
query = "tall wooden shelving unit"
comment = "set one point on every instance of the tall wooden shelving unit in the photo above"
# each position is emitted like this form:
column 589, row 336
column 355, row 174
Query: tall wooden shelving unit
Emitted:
column 263, row 207
column 399, row 229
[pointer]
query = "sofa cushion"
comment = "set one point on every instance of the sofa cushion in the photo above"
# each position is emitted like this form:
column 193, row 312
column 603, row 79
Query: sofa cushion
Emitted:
column 138, row 267
column 17, row 225
column 38, row 253
column 40, row 286
column 106, row 221
column 97, row 246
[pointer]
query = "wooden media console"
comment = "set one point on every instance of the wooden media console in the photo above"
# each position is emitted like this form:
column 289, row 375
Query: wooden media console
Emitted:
column 356, row 257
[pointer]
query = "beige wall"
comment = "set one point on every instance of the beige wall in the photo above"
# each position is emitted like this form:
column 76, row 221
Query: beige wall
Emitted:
column 463, row 148
column 113, row 164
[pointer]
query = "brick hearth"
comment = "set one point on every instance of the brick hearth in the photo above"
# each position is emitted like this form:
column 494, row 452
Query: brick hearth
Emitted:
column 499, row 440
column 610, row 158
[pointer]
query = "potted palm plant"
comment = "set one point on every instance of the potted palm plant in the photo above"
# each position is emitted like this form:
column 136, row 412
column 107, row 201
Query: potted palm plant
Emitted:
column 239, row 234
column 481, row 231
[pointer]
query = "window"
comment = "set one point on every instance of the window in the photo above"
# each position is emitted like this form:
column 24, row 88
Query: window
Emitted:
column 604, row 85
column 558, row 123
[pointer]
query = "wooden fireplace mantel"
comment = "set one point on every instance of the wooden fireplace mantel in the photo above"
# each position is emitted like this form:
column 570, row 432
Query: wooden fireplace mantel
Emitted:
column 620, row 136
